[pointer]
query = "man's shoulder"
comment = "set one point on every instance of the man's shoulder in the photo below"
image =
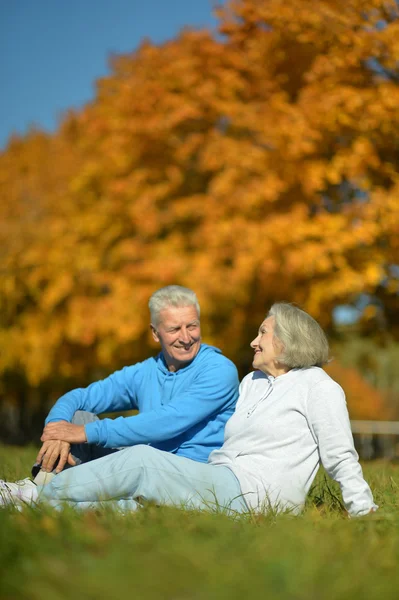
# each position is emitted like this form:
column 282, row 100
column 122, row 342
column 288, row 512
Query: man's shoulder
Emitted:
column 211, row 355
column 142, row 366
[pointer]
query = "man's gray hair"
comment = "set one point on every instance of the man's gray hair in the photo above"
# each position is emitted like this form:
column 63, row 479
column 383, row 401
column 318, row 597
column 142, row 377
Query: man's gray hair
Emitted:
column 304, row 342
column 171, row 295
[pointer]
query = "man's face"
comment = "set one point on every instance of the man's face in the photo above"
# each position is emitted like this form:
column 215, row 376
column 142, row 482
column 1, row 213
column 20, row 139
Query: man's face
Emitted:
column 179, row 333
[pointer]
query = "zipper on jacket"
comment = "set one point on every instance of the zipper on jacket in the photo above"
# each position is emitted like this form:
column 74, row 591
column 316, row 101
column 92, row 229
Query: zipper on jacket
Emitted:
column 261, row 399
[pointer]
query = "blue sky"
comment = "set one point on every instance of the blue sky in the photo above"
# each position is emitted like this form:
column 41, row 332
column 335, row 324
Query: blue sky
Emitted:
column 52, row 51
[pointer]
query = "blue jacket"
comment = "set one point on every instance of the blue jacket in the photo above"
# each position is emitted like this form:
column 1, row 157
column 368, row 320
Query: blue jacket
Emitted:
column 183, row 412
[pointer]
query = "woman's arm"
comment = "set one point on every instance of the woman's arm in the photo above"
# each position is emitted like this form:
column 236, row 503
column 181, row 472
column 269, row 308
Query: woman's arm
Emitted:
column 329, row 421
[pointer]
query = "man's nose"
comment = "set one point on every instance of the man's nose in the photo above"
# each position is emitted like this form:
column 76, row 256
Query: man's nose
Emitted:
column 184, row 335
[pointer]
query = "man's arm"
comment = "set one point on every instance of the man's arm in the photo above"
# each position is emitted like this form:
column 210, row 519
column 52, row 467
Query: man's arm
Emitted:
column 115, row 393
column 214, row 389
column 211, row 392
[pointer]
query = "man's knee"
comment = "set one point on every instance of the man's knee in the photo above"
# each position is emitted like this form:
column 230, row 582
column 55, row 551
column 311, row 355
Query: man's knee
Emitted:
column 81, row 417
column 142, row 454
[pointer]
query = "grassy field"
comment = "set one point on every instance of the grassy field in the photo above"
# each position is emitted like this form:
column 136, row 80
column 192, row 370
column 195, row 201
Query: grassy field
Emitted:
column 170, row 554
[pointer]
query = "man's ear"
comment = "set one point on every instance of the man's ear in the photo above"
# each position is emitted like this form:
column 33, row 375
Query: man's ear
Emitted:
column 154, row 333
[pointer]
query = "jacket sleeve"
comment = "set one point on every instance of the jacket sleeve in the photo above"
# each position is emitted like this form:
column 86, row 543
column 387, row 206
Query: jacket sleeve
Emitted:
column 115, row 393
column 329, row 421
column 212, row 391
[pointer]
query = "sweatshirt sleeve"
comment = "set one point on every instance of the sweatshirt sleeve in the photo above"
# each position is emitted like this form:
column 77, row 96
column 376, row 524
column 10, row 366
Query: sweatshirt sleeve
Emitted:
column 115, row 393
column 329, row 421
column 213, row 390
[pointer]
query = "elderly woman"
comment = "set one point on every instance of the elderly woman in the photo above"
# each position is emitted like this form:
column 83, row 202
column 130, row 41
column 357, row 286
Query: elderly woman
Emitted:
column 290, row 416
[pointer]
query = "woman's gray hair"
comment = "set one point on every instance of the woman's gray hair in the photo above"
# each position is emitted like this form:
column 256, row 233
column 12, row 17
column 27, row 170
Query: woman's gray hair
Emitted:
column 171, row 295
column 304, row 342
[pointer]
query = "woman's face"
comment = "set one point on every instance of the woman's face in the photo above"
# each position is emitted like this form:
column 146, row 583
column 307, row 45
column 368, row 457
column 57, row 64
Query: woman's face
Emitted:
column 266, row 348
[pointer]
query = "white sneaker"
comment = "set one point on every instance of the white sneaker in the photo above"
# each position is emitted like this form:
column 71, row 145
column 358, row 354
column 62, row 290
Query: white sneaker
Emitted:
column 17, row 493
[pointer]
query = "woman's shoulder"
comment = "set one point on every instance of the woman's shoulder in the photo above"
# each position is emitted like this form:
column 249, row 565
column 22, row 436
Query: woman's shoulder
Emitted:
column 253, row 378
column 308, row 377
column 252, row 384
column 314, row 375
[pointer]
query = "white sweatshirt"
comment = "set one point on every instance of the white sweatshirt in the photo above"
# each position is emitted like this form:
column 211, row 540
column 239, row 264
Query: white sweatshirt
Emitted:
column 282, row 428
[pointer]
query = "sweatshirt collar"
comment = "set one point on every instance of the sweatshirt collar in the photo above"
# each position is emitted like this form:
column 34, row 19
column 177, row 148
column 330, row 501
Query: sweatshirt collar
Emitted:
column 202, row 353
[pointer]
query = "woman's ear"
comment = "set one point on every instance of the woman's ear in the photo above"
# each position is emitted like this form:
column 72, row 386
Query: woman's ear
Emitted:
column 278, row 345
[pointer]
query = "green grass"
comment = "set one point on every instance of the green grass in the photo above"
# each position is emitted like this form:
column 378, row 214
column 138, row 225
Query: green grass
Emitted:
column 170, row 554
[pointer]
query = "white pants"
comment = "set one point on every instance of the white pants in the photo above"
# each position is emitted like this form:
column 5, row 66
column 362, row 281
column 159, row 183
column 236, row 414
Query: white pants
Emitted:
column 142, row 472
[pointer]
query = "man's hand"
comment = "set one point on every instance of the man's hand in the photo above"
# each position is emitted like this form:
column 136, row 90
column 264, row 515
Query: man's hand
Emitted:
column 65, row 432
column 51, row 451
column 57, row 438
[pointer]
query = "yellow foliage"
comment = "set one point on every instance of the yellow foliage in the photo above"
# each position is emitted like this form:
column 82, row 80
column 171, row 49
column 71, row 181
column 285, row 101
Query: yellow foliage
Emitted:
column 364, row 401
column 258, row 168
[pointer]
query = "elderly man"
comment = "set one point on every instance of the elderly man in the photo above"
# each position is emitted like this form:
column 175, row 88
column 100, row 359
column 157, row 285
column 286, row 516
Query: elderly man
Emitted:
column 184, row 396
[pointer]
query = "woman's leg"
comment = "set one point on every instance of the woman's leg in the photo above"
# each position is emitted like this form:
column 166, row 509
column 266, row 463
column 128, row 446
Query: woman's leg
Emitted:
column 144, row 472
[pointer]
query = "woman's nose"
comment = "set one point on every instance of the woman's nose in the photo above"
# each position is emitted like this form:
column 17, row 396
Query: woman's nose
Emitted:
column 254, row 342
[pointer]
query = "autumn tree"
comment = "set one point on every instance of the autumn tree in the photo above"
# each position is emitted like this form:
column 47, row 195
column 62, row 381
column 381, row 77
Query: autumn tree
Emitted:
column 364, row 400
column 257, row 166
